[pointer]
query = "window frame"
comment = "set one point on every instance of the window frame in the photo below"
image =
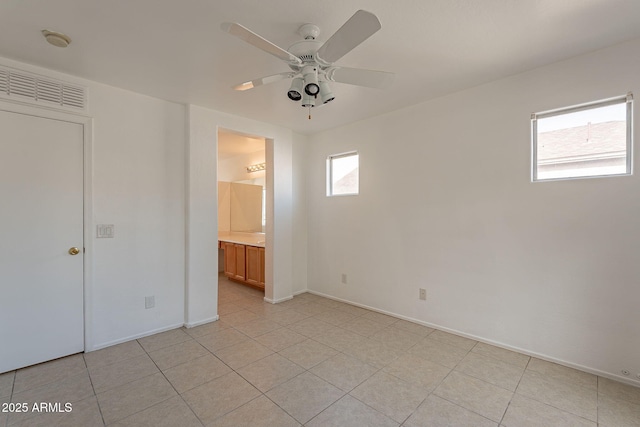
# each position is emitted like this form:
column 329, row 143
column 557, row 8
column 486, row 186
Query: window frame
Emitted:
column 625, row 99
column 329, row 173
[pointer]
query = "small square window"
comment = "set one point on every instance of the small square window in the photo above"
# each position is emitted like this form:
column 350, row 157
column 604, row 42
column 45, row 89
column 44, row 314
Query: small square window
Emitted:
column 584, row 141
column 343, row 174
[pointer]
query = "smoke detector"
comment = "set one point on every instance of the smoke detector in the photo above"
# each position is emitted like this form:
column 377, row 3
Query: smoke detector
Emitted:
column 56, row 39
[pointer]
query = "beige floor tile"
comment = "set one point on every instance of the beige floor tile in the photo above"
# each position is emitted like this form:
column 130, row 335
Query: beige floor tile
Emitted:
column 286, row 317
column 311, row 308
column 280, row 339
column 4, row 415
column 350, row 412
column 475, row 395
column 169, row 357
column 84, row 413
column 340, row 339
column 111, row 376
column 113, row 354
column 454, row 340
column 308, row 353
column 307, row 296
column 390, row 395
column 269, row 372
column 220, row 396
column 68, row 390
column 412, row 327
column 260, row 412
column 207, row 328
column 362, row 326
column 398, row 338
column 352, row 309
column 239, row 317
column 228, row 308
column 380, row 318
column 438, row 352
column 48, row 372
column 334, row 317
column 418, row 371
column 617, row 413
column 525, row 412
column 242, row 354
column 196, row 372
column 265, row 309
column 258, row 327
column 437, row 412
column 293, row 303
column 564, row 395
column 332, row 303
column 311, row 327
column 164, row 339
column 173, row 412
column 220, row 339
column 6, row 384
column 563, row 373
column 511, row 357
column 304, row 396
column 491, row 370
column 375, row 353
column 121, row 402
column 344, row 372
column 251, row 304
column 618, row 390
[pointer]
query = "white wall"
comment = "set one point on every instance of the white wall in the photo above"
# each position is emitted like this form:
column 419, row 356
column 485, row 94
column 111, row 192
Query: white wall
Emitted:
column 446, row 204
column 138, row 185
column 235, row 168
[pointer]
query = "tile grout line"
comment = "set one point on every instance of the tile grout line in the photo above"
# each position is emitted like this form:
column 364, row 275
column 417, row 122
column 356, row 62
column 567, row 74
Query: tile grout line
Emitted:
column 94, row 390
column 171, row 384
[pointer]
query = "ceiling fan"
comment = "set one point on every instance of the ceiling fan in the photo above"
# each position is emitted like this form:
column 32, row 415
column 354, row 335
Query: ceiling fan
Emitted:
column 312, row 62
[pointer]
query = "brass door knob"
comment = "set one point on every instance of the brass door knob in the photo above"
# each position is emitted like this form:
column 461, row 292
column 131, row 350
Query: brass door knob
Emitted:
column 74, row 251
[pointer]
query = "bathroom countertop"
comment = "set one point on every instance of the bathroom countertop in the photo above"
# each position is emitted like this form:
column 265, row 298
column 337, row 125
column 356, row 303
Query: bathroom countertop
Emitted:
column 251, row 239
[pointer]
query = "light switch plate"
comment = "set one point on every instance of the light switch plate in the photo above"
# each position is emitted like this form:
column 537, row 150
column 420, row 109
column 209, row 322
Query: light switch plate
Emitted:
column 105, row 231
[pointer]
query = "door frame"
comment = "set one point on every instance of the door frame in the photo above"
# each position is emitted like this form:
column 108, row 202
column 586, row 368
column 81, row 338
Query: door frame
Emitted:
column 86, row 122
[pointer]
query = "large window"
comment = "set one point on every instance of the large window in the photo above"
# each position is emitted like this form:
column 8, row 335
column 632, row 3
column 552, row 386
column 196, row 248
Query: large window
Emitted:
column 342, row 174
column 584, row 141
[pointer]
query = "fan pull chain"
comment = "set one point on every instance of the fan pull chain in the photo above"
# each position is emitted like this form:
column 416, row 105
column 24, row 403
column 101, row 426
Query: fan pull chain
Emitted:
column 309, row 112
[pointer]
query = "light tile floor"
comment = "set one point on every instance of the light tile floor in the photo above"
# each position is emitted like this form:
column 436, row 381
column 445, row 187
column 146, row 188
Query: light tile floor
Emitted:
column 315, row 362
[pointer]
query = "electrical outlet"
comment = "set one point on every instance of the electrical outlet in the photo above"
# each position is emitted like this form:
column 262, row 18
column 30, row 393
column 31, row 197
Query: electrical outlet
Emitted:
column 423, row 294
column 150, row 302
column 344, row 278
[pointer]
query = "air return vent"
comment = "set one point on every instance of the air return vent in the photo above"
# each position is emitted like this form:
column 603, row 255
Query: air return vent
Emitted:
column 23, row 86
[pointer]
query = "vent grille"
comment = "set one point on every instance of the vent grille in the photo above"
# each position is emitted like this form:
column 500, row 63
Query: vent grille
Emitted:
column 30, row 87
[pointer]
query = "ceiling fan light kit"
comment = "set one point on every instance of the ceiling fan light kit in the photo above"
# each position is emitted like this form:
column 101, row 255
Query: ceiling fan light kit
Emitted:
column 312, row 62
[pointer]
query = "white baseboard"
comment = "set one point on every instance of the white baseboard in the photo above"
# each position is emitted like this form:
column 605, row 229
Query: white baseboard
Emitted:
column 133, row 337
column 300, row 292
column 201, row 322
column 270, row 301
column 587, row 369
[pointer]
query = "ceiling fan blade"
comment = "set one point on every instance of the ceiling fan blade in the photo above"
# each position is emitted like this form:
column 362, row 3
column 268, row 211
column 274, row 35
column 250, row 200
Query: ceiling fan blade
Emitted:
column 357, row 29
column 263, row 81
column 259, row 42
column 360, row 77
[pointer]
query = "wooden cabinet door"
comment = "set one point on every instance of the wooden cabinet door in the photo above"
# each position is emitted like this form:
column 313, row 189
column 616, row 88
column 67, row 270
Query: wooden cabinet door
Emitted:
column 253, row 265
column 240, row 262
column 261, row 252
column 229, row 259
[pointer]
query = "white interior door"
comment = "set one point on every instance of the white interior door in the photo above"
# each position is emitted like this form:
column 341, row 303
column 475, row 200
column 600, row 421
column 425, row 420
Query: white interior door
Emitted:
column 41, row 211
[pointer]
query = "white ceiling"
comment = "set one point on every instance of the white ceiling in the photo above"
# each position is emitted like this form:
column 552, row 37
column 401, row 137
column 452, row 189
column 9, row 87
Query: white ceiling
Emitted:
column 175, row 50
